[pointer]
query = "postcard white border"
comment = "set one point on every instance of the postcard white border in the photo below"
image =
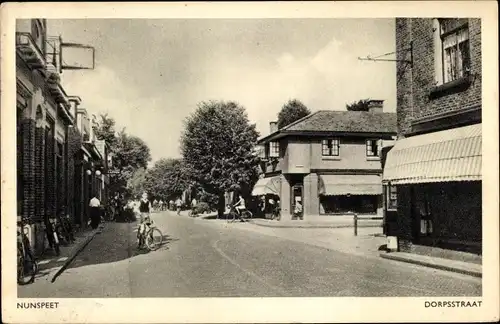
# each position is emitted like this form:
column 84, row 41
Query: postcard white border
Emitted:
column 206, row 310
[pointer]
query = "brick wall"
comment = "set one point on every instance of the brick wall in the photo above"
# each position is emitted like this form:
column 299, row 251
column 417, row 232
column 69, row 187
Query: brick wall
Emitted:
column 74, row 142
column 39, row 173
column 50, row 194
column 416, row 82
column 28, row 160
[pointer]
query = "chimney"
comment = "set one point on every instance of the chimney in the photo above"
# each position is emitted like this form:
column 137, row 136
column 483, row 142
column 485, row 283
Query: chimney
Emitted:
column 376, row 106
column 273, row 126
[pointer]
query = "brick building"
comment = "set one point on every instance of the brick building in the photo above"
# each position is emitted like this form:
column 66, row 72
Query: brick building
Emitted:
column 433, row 173
column 328, row 161
column 48, row 138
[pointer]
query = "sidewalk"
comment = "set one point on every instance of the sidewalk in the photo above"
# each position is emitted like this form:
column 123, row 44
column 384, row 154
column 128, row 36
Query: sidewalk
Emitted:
column 50, row 262
column 330, row 223
column 468, row 268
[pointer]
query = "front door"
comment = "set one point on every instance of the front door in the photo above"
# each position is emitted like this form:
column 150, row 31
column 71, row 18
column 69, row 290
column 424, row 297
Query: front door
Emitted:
column 297, row 202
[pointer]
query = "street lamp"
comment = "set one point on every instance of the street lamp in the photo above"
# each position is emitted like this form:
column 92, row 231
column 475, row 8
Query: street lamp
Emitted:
column 89, row 172
column 97, row 173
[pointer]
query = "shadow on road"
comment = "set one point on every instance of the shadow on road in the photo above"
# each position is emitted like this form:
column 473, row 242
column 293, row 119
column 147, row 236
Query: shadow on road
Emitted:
column 117, row 242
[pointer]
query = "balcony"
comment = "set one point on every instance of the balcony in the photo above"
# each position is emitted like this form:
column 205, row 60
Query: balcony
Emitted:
column 29, row 51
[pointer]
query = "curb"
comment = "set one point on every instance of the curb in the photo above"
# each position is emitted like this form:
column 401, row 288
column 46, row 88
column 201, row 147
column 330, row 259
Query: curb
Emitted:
column 79, row 249
column 472, row 273
column 312, row 226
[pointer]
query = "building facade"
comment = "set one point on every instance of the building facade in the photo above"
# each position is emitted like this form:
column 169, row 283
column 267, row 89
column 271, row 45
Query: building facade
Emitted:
column 328, row 161
column 46, row 132
column 433, row 173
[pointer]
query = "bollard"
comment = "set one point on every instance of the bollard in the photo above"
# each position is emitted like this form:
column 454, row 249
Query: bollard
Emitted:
column 355, row 224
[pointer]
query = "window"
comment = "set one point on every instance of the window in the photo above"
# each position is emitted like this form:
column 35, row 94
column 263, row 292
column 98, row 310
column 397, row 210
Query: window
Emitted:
column 371, row 148
column 38, row 34
column 455, row 49
column 392, row 197
column 274, row 149
column 330, row 147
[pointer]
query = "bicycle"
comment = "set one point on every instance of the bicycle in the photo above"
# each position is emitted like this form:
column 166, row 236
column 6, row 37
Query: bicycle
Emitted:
column 51, row 235
column 245, row 215
column 64, row 229
column 276, row 214
column 151, row 236
column 27, row 267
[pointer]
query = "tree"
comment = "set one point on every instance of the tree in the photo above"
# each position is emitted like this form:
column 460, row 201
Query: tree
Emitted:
column 136, row 184
column 292, row 111
column 166, row 179
column 129, row 153
column 106, row 130
column 217, row 149
column 361, row 105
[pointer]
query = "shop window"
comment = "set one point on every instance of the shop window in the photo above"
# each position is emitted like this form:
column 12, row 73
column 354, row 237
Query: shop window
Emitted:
column 274, row 149
column 454, row 48
column 362, row 204
column 372, row 148
column 330, row 147
column 392, row 197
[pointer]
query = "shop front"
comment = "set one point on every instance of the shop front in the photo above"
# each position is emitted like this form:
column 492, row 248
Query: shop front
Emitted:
column 433, row 190
column 340, row 194
column 267, row 191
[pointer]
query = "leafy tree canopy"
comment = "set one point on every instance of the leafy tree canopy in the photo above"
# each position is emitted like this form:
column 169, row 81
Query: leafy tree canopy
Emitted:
column 129, row 153
column 166, row 179
column 292, row 111
column 217, row 148
column 361, row 105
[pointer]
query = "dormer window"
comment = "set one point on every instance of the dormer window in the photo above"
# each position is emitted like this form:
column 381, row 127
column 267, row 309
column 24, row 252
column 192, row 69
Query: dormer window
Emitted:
column 37, row 31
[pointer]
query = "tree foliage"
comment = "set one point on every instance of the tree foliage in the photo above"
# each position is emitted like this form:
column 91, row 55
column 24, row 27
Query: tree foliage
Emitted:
column 292, row 111
column 129, row 154
column 361, row 105
column 217, row 149
column 166, row 180
column 136, row 184
column 106, row 130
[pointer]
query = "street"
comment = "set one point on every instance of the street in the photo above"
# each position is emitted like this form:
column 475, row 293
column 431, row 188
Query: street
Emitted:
column 210, row 258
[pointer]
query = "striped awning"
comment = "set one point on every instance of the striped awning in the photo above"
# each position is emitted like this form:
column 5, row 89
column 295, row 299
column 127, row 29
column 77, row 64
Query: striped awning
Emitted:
column 350, row 184
column 264, row 186
column 450, row 155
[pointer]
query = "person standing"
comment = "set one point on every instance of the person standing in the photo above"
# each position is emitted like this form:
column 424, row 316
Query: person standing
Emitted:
column 95, row 212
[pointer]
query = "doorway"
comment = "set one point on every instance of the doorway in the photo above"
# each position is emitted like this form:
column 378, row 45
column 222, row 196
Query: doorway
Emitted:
column 297, row 202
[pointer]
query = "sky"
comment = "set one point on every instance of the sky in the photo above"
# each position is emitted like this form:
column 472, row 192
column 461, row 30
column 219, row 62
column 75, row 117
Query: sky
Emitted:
column 150, row 74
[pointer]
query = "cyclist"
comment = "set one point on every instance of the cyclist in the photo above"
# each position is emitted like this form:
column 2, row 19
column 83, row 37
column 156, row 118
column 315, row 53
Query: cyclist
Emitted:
column 240, row 206
column 144, row 209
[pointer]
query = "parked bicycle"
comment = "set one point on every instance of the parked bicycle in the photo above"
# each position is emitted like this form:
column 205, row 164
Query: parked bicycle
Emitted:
column 276, row 214
column 27, row 266
column 149, row 235
column 243, row 216
column 64, row 228
column 51, row 235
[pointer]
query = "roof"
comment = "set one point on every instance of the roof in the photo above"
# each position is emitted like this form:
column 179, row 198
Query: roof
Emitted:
column 325, row 121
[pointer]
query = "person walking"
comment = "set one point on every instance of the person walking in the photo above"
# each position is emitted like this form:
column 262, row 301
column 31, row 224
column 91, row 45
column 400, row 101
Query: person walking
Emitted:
column 95, row 212
column 178, row 205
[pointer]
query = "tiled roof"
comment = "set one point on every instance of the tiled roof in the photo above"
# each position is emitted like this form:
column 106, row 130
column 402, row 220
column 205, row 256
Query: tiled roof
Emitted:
column 345, row 121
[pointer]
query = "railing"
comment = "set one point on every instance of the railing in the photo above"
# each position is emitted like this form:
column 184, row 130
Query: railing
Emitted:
column 356, row 218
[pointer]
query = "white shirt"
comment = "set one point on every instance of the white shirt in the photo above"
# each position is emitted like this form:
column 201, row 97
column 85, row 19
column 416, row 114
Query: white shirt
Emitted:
column 94, row 202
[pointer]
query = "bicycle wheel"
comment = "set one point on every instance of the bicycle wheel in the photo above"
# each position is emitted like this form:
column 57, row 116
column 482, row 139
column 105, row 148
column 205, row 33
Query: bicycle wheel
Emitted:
column 154, row 239
column 247, row 214
column 26, row 269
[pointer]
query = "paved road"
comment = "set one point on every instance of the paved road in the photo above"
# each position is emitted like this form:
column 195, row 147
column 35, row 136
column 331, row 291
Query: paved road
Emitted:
column 204, row 258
